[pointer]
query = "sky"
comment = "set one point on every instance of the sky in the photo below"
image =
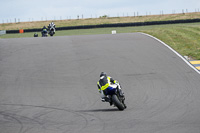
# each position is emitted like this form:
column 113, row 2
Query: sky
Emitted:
column 37, row 10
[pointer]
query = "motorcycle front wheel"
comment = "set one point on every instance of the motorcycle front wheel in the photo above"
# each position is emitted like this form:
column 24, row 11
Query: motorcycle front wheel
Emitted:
column 117, row 102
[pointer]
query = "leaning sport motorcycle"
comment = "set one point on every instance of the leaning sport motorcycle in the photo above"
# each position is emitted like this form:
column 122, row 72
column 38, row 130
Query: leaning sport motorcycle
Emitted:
column 115, row 98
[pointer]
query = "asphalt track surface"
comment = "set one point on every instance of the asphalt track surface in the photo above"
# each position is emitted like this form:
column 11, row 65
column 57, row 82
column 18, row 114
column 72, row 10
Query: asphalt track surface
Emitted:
column 48, row 85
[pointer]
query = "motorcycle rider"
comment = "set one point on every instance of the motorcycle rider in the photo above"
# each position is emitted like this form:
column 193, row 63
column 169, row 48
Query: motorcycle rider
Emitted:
column 44, row 30
column 52, row 25
column 105, row 82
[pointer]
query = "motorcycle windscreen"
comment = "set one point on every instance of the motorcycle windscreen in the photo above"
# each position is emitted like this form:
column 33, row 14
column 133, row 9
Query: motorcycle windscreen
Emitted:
column 109, row 91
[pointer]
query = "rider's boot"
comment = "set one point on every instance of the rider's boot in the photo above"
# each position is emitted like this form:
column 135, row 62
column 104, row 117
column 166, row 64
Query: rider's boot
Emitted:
column 105, row 99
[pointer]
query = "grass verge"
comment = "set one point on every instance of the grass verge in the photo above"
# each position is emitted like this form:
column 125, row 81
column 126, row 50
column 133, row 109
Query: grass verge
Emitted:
column 184, row 38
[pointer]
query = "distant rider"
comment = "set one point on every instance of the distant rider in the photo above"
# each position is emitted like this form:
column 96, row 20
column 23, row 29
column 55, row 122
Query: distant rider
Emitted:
column 52, row 25
column 44, row 29
column 105, row 82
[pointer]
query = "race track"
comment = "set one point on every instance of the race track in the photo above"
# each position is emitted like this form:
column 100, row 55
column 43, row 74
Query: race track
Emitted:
column 48, row 85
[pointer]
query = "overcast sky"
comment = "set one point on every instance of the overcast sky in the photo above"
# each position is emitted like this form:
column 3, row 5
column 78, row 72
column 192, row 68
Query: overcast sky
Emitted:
column 28, row 10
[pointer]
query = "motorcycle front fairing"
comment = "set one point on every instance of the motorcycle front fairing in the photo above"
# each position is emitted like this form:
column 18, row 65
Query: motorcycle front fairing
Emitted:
column 110, row 91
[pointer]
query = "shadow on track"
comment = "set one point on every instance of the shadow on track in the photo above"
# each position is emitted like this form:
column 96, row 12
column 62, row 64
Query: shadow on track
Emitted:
column 99, row 110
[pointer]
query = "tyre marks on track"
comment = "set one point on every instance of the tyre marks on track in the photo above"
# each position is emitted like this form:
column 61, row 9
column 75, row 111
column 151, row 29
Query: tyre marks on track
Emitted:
column 52, row 119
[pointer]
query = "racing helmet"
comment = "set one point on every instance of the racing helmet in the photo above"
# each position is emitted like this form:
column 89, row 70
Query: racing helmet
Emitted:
column 103, row 74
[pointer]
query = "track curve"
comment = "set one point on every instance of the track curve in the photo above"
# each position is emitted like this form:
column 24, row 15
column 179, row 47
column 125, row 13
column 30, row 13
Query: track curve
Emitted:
column 48, row 85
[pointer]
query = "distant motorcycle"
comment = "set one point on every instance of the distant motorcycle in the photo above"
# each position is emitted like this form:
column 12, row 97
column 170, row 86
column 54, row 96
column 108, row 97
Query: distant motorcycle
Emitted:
column 51, row 31
column 44, row 33
column 35, row 35
column 51, row 28
column 114, row 97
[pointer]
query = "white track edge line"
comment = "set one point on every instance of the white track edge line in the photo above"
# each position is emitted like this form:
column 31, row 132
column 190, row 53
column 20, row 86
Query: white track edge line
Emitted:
column 186, row 61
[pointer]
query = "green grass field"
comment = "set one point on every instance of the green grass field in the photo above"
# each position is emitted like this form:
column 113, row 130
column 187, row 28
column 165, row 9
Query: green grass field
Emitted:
column 184, row 38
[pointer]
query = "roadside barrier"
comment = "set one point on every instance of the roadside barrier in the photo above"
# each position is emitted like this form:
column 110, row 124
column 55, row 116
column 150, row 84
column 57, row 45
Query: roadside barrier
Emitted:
column 2, row 32
column 111, row 25
column 21, row 31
